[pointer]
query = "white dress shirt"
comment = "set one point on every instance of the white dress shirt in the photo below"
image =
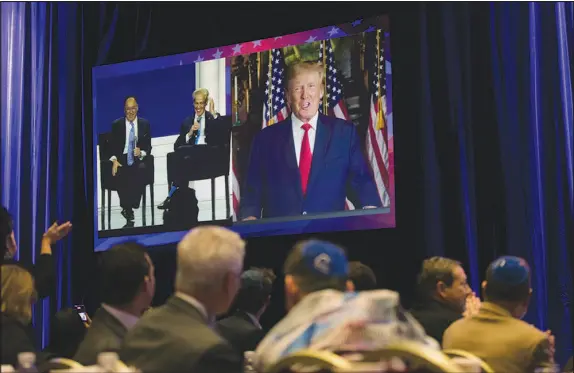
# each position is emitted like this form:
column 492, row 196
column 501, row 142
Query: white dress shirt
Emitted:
column 128, row 320
column 201, row 121
column 299, row 132
column 126, row 144
column 195, row 303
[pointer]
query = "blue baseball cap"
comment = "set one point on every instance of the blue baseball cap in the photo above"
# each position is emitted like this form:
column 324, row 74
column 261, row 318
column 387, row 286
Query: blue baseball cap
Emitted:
column 316, row 258
column 509, row 270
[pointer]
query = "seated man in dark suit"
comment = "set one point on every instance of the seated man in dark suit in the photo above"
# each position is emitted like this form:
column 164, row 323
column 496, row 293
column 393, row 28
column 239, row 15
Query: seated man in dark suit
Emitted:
column 199, row 128
column 496, row 334
column 130, row 144
column 128, row 287
column 443, row 296
column 179, row 336
column 308, row 163
column 242, row 329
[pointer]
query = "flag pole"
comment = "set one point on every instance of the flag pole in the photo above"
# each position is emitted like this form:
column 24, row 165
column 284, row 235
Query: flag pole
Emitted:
column 362, row 53
column 270, row 95
column 258, row 68
column 324, row 45
column 249, row 83
column 380, row 114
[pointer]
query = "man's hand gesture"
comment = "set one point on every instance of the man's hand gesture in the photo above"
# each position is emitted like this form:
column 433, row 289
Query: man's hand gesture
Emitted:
column 211, row 106
column 473, row 304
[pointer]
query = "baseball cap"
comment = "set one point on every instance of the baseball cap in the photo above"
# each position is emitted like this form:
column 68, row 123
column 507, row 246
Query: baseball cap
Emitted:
column 323, row 263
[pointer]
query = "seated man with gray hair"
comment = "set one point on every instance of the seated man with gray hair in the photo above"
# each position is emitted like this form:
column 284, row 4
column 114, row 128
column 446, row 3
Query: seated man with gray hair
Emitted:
column 199, row 128
column 178, row 336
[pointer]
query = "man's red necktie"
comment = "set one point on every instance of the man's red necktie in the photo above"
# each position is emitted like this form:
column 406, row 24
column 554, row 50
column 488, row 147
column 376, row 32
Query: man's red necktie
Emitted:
column 305, row 158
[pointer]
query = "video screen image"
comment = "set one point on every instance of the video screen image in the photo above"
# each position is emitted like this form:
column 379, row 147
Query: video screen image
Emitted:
column 287, row 135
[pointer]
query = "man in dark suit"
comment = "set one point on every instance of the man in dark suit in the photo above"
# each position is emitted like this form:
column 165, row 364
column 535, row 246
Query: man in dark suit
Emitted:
column 443, row 296
column 242, row 328
column 308, row 163
column 178, row 336
column 128, row 287
column 200, row 128
column 130, row 144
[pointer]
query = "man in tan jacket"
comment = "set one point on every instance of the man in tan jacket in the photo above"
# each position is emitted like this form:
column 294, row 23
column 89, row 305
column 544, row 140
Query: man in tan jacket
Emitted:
column 497, row 334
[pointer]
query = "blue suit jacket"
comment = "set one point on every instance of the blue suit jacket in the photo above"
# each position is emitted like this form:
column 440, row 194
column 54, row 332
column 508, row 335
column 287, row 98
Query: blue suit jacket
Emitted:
column 272, row 187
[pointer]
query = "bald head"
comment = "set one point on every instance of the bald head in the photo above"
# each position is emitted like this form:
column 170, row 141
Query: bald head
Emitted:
column 131, row 108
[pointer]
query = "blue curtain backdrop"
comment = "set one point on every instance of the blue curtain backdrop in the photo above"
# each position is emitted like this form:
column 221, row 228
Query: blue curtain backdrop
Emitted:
column 482, row 101
column 497, row 145
column 47, row 53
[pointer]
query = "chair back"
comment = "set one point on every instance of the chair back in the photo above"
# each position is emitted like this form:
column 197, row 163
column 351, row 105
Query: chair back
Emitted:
column 310, row 361
column 104, row 140
column 484, row 367
column 61, row 365
column 417, row 357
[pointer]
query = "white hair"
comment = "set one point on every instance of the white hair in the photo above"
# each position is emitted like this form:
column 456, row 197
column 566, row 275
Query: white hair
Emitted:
column 205, row 255
column 203, row 92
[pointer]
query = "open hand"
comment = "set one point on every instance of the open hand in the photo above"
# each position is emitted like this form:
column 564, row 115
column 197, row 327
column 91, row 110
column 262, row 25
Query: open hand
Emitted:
column 115, row 166
column 211, row 106
column 195, row 127
column 250, row 218
column 56, row 232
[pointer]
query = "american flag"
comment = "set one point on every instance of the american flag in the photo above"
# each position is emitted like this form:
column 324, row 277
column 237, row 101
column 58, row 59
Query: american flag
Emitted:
column 377, row 149
column 333, row 87
column 275, row 107
column 333, row 90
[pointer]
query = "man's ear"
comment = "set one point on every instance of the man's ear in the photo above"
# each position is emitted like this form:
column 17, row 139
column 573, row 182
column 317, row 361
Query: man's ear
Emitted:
column 440, row 287
column 350, row 286
column 290, row 285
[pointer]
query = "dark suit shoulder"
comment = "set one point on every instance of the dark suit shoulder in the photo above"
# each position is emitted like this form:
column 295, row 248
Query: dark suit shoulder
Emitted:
column 119, row 122
column 179, row 337
column 106, row 333
column 273, row 130
column 337, row 124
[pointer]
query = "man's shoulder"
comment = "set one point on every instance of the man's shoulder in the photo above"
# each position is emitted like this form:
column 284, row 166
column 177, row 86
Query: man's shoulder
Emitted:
column 143, row 121
column 335, row 121
column 121, row 121
column 528, row 332
column 269, row 132
column 235, row 322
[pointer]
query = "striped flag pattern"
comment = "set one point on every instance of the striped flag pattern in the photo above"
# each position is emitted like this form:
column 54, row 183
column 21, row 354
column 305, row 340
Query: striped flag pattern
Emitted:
column 333, row 90
column 377, row 139
column 275, row 107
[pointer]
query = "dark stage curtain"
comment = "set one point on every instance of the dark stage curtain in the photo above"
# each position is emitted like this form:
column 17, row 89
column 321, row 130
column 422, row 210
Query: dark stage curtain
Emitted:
column 496, row 134
column 484, row 133
column 48, row 50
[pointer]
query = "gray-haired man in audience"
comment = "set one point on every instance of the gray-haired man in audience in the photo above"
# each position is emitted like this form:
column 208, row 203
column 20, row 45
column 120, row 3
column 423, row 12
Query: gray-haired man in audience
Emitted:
column 178, row 336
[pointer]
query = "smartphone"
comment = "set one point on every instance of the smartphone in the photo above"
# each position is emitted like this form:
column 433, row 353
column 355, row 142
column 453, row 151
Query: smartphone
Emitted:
column 81, row 310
